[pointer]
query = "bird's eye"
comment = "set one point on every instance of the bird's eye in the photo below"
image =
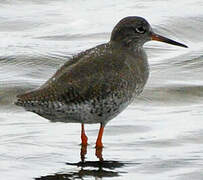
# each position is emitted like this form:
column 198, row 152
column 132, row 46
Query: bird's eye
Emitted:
column 140, row 30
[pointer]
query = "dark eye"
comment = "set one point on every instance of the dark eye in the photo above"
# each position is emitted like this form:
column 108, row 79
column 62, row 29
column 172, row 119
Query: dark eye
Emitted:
column 140, row 30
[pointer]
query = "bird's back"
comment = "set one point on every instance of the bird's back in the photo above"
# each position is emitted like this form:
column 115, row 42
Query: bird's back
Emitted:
column 93, row 86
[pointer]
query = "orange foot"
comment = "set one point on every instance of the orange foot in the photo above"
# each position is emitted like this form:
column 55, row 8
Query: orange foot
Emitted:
column 99, row 145
column 98, row 153
column 83, row 136
column 83, row 152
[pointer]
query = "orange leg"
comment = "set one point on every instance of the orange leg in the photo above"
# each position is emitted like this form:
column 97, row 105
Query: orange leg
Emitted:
column 98, row 153
column 83, row 136
column 99, row 145
column 99, row 138
column 83, row 152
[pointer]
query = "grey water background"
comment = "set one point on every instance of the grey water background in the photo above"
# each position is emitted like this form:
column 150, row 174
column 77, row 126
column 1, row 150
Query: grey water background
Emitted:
column 160, row 136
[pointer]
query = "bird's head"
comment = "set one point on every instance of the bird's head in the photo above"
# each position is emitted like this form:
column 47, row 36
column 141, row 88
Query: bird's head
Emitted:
column 135, row 31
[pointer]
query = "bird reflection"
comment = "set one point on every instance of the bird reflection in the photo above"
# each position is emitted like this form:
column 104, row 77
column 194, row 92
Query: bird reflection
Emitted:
column 109, row 171
column 96, row 169
column 80, row 175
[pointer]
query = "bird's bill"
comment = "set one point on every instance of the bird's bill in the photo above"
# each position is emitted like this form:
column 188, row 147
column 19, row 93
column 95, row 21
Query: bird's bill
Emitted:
column 157, row 37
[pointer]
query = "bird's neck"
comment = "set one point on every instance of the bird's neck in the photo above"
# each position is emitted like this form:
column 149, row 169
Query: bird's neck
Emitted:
column 128, row 45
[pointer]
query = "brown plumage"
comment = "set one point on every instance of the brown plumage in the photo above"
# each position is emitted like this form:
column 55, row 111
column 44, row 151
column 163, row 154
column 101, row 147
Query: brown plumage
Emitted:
column 97, row 84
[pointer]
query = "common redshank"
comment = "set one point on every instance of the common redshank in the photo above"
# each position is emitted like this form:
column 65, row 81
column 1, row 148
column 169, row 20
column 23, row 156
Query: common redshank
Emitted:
column 96, row 85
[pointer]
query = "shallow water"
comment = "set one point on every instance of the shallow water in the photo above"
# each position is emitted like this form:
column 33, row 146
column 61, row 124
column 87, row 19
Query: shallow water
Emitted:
column 160, row 136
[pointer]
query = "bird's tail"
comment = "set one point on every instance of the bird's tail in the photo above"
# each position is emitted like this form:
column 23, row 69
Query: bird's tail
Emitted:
column 27, row 99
